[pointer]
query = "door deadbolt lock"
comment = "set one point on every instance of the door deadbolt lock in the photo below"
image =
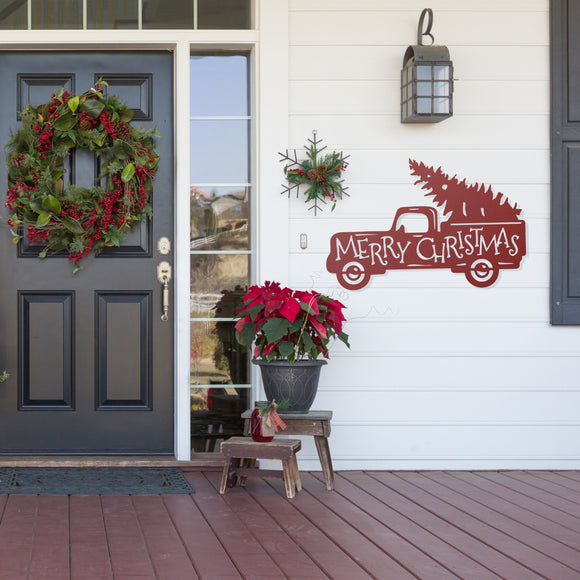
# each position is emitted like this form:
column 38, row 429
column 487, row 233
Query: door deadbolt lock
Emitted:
column 163, row 246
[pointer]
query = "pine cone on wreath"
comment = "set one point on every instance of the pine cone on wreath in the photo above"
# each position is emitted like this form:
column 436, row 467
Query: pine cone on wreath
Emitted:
column 18, row 160
column 86, row 124
column 122, row 129
column 35, row 174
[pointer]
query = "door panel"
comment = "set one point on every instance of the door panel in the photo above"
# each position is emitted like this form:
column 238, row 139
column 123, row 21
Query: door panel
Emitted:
column 91, row 362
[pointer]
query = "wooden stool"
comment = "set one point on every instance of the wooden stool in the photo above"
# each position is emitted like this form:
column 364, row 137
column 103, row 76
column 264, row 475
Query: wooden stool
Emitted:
column 237, row 449
column 315, row 423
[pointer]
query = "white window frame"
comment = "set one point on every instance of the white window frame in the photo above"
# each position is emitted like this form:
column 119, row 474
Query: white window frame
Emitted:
column 268, row 46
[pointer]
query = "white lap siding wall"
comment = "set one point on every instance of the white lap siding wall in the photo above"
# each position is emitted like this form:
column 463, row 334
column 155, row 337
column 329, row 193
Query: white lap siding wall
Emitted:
column 440, row 374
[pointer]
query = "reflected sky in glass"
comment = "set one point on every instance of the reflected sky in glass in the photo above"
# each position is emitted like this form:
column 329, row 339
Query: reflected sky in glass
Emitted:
column 219, row 151
column 219, row 85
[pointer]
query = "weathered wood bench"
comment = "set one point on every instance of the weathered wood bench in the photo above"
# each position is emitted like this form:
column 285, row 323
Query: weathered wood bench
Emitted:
column 238, row 450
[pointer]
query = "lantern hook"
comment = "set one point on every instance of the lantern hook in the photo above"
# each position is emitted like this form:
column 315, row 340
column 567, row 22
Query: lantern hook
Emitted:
column 426, row 12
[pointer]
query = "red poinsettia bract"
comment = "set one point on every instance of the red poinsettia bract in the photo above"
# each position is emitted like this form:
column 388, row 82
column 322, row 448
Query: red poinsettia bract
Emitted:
column 289, row 324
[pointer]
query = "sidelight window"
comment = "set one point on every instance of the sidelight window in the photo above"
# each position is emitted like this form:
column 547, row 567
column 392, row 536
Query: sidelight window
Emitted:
column 220, row 247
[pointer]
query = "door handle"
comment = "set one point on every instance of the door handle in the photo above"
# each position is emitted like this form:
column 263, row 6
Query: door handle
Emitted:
column 164, row 277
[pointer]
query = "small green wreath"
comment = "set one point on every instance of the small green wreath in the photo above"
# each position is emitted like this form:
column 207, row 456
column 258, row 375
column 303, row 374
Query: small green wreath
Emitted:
column 70, row 218
column 321, row 174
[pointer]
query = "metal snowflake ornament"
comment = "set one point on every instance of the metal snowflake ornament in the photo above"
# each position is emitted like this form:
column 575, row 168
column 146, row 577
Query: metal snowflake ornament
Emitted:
column 320, row 173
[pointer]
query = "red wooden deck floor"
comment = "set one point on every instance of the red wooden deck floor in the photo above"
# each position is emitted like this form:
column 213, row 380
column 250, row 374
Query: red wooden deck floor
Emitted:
column 385, row 525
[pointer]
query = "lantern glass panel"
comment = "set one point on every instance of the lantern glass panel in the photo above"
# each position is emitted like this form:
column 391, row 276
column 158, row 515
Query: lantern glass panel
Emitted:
column 441, row 106
column 424, row 89
column 424, row 106
column 441, row 89
column 441, row 72
column 424, row 72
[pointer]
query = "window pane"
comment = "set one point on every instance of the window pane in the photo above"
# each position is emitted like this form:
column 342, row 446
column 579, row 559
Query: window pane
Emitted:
column 51, row 15
column 219, row 151
column 216, row 415
column 108, row 14
column 13, row 14
column 211, row 276
column 226, row 14
column 168, row 13
column 216, row 356
column 219, row 85
column 219, row 218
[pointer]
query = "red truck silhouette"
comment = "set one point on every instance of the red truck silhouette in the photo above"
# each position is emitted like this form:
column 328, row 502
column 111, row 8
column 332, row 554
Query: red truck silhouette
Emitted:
column 477, row 249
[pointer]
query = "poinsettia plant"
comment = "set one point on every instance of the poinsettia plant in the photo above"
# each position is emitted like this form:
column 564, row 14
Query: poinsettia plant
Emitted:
column 289, row 324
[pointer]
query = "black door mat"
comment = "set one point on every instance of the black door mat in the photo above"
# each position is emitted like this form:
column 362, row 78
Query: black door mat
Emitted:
column 93, row 481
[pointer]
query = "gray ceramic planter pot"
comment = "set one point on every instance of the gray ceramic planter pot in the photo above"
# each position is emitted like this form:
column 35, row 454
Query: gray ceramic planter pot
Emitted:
column 296, row 382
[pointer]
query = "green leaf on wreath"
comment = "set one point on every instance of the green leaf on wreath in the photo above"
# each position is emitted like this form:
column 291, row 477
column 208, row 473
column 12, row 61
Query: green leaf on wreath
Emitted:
column 128, row 173
column 72, row 225
column 36, row 206
column 50, row 203
column 43, row 220
column 92, row 107
column 73, row 104
column 65, row 122
column 127, row 115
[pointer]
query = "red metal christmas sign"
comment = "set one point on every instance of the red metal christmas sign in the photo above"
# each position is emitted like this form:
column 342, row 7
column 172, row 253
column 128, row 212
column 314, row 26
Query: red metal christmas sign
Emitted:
column 482, row 235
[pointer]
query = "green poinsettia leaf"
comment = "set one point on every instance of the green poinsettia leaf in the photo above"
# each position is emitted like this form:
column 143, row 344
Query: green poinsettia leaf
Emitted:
column 128, row 173
column 275, row 329
column 42, row 220
column 285, row 348
column 51, row 204
column 247, row 335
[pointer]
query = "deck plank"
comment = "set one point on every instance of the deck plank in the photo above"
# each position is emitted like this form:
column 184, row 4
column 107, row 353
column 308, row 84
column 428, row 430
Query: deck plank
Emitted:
column 129, row 554
column 89, row 557
column 468, row 544
column 249, row 556
column 376, row 529
column 50, row 559
column 305, row 531
column 445, row 487
column 360, row 492
column 167, row 553
column 206, row 552
column 291, row 559
column 418, row 488
column 518, row 508
column 564, row 486
column 357, row 547
column 526, row 486
column 16, row 533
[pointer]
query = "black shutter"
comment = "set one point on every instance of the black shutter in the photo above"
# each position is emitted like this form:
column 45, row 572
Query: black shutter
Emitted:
column 565, row 145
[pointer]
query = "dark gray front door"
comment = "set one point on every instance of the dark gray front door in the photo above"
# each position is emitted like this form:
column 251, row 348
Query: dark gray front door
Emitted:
column 90, row 359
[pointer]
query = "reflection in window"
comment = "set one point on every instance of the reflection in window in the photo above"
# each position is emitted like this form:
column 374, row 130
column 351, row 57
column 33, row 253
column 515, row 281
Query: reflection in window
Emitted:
column 14, row 15
column 219, row 245
column 51, row 15
column 111, row 14
column 219, row 218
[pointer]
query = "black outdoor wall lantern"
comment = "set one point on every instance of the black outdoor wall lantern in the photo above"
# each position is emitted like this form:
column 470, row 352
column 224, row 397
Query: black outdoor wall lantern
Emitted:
column 426, row 79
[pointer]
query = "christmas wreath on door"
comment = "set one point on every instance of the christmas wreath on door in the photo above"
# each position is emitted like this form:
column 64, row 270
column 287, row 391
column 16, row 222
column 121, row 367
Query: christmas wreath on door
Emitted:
column 63, row 217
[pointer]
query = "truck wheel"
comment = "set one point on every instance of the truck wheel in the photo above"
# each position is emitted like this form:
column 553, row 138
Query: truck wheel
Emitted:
column 482, row 273
column 353, row 276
